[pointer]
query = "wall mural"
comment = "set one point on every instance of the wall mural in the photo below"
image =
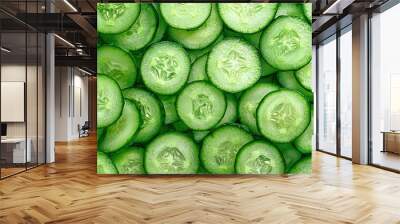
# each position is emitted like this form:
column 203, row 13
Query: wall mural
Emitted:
column 204, row 88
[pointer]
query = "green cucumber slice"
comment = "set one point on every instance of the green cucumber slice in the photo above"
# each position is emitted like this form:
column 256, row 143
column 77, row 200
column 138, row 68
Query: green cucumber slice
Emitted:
column 249, row 102
column 117, row 64
column 195, row 54
column 116, row 17
column 286, row 43
column 289, row 153
column 180, row 126
column 304, row 76
column 140, row 34
column 267, row 69
column 121, row 132
column 220, row 147
column 253, row 38
column 231, row 113
column 200, row 105
column 307, row 9
column 185, row 15
column 198, row 71
column 198, row 136
column 259, row 157
column 172, row 153
column 129, row 160
column 162, row 25
column 283, row 115
column 104, row 164
column 288, row 80
column 304, row 142
column 109, row 101
column 201, row 37
column 290, row 9
column 165, row 68
column 303, row 166
column 233, row 65
column 151, row 113
column 168, row 102
column 245, row 17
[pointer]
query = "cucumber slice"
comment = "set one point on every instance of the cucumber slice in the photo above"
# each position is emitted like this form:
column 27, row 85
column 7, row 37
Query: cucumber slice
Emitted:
column 304, row 76
column 233, row 65
column 109, row 101
column 307, row 9
column 283, row 115
column 220, row 147
column 168, row 102
column 249, row 102
column 202, row 170
column 162, row 25
column 231, row 33
column 100, row 132
column 140, row 34
column 172, row 153
column 289, row 153
column 288, row 80
column 116, row 17
column 117, row 64
column 165, row 68
column 286, row 43
column 259, row 157
column 195, row 54
column 245, row 17
column 198, row 136
column 303, row 166
column 121, row 132
column 201, row 37
column 253, row 38
column 231, row 113
column 290, row 9
column 200, row 105
column 304, row 142
column 129, row 160
column 198, row 71
column 185, row 15
column 151, row 113
column 104, row 164
column 267, row 69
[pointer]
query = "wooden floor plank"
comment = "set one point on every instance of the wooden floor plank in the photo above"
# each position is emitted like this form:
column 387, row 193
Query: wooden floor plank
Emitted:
column 70, row 191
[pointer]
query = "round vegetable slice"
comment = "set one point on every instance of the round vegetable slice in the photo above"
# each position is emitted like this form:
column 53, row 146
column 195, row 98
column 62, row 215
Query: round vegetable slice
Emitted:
column 140, row 34
column 116, row 17
column 151, row 113
column 168, row 102
column 201, row 37
column 288, row 80
column 233, row 65
column 200, row 105
column 172, row 153
column 304, row 142
column 249, row 102
column 220, row 147
column 259, row 157
column 290, row 9
column 109, row 101
column 104, row 164
column 198, row 71
column 245, row 17
column 303, row 166
column 165, row 67
column 283, row 115
column 290, row 154
column 185, row 15
column 304, row 76
column 121, row 132
column 286, row 43
column 129, row 160
column 307, row 8
column 117, row 64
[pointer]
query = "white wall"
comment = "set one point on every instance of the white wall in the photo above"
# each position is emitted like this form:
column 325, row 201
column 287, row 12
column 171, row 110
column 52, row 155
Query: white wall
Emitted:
column 69, row 82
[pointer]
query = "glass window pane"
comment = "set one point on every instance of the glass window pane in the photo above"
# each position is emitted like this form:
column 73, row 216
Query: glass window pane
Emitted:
column 385, row 89
column 327, row 95
column 346, row 93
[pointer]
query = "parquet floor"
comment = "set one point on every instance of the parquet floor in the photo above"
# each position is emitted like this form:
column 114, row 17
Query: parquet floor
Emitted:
column 69, row 191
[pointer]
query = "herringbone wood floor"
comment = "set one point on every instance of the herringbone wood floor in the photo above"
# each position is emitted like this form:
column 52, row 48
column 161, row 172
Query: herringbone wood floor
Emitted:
column 69, row 191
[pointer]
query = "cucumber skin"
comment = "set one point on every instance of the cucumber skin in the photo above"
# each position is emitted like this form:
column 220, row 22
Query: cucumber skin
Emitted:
column 289, row 153
column 125, row 152
column 288, row 80
column 303, row 143
column 120, row 97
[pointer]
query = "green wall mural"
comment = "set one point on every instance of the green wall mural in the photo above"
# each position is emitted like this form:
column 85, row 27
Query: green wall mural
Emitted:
column 204, row 88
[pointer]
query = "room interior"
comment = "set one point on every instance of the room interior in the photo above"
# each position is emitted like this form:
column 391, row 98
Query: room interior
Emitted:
column 48, row 93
